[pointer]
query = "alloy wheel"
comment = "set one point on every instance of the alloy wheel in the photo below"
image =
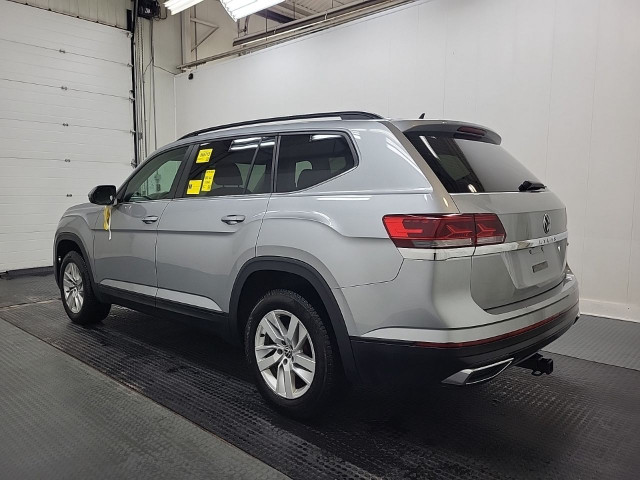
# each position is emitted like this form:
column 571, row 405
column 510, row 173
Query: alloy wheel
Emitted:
column 73, row 287
column 284, row 354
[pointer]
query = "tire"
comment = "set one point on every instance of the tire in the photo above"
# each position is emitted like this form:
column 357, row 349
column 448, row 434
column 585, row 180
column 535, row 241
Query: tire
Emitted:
column 76, row 293
column 305, row 394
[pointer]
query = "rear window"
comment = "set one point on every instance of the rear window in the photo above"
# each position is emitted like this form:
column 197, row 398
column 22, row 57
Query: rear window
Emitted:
column 470, row 166
column 305, row 160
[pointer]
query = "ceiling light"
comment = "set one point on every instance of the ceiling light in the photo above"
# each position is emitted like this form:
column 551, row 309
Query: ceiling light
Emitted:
column 241, row 8
column 176, row 6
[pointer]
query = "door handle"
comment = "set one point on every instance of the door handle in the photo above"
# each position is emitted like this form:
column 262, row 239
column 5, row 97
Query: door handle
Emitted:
column 233, row 219
column 150, row 219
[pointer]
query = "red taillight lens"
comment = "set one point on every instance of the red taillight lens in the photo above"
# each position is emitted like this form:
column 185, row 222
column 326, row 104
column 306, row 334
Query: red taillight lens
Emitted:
column 489, row 229
column 444, row 231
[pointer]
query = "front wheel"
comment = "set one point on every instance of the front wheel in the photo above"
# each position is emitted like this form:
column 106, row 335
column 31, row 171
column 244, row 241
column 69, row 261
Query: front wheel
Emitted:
column 291, row 354
column 78, row 299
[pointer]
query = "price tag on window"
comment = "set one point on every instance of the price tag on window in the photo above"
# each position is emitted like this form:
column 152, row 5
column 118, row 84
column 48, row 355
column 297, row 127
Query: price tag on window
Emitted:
column 194, row 187
column 208, row 180
column 204, row 155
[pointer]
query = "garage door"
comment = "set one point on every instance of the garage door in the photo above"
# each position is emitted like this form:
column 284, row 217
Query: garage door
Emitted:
column 65, row 123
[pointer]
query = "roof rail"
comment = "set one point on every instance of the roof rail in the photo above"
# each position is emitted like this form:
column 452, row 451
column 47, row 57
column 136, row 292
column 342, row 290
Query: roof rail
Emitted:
column 348, row 115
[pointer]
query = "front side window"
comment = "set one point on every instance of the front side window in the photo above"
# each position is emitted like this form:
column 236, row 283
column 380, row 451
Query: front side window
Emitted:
column 305, row 160
column 231, row 167
column 156, row 177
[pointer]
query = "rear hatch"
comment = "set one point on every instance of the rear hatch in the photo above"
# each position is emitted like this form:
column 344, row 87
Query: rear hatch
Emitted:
column 482, row 177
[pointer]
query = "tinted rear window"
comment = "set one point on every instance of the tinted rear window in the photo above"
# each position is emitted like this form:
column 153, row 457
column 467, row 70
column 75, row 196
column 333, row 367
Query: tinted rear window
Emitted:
column 305, row 160
column 470, row 166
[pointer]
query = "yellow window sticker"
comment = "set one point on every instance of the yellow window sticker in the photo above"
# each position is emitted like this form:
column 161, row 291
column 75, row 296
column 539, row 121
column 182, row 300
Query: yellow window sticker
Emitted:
column 208, row 180
column 194, row 187
column 204, row 155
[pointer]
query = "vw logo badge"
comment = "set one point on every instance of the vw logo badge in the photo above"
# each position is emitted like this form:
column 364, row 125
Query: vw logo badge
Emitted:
column 546, row 223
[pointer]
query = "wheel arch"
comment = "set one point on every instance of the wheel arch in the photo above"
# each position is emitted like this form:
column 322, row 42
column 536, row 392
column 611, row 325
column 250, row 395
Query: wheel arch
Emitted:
column 321, row 289
column 64, row 243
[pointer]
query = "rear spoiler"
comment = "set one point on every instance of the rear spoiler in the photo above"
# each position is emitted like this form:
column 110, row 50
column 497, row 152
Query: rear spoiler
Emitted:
column 465, row 131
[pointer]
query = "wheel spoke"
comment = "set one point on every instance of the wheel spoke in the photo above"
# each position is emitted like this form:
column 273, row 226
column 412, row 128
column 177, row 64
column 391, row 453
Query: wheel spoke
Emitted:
column 280, row 381
column 285, row 381
column 273, row 319
column 73, row 271
column 301, row 360
column 270, row 330
column 269, row 361
column 293, row 328
column 306, row 376
column 260, row 348
column 302, row 336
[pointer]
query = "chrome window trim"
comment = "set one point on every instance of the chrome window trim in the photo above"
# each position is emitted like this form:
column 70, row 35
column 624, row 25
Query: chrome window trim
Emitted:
column 447, row 253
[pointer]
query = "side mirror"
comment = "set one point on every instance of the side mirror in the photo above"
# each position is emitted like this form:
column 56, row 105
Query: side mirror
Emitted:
column 103, row 195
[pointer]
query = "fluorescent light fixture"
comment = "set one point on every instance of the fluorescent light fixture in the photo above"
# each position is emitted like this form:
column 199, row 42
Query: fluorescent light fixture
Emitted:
column 176, row 6
column 241, row 8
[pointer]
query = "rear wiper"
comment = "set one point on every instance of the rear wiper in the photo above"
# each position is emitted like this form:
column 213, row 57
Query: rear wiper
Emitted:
column 527, row 186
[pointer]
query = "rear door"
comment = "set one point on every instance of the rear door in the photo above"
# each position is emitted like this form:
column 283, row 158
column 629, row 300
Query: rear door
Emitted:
column 482, row 177
column 210, row 230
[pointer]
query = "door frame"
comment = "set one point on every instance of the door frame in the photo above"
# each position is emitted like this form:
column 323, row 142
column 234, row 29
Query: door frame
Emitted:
column 186, row 159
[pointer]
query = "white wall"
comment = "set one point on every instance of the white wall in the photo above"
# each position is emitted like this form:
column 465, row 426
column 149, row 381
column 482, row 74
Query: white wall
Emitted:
column 559, row 80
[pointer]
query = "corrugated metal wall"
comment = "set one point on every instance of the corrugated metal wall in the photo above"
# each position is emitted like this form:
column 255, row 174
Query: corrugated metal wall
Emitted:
column 65, row 123
column 107, row 12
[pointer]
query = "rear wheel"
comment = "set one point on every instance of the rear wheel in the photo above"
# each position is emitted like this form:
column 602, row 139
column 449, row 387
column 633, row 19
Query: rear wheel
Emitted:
column 78, row 299
column 290, row 352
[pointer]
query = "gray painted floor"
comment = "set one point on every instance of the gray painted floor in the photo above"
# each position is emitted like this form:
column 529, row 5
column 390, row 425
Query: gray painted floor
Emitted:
column 59, row 418
column 602, row 340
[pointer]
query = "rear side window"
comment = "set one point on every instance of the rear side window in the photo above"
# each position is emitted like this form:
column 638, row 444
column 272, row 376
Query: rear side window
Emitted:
column 305, row 160
column 231, row 167
column 470, row 166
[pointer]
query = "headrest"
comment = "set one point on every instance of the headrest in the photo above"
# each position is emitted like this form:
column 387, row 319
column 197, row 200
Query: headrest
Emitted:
column 228, row 174
column 311, row 177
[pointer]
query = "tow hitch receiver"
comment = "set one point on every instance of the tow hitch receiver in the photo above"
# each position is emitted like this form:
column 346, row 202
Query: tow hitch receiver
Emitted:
column 537, row 364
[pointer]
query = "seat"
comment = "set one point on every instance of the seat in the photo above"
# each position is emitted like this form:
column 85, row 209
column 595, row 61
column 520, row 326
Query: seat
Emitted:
column 228, row 180
column 310, row 177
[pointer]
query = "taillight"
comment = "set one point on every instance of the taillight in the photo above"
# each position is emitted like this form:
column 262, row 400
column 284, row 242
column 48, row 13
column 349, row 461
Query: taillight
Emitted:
column 489, row 229
column 444, row 231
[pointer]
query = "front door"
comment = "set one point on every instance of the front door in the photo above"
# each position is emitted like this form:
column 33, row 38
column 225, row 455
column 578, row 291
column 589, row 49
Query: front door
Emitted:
column 211, row 228
column 125, row 257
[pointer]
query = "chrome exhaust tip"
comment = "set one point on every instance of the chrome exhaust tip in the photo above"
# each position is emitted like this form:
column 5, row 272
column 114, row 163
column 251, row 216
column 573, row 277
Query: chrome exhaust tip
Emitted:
column 470, row 376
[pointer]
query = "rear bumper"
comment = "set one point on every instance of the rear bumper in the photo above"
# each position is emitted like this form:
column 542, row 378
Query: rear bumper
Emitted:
column 385, row 360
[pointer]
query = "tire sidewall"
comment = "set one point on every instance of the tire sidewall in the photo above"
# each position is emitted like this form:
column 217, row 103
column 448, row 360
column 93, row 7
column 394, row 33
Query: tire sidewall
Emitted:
column 282, row 300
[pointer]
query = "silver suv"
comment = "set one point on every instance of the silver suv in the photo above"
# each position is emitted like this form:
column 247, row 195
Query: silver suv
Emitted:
column 337, row 246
